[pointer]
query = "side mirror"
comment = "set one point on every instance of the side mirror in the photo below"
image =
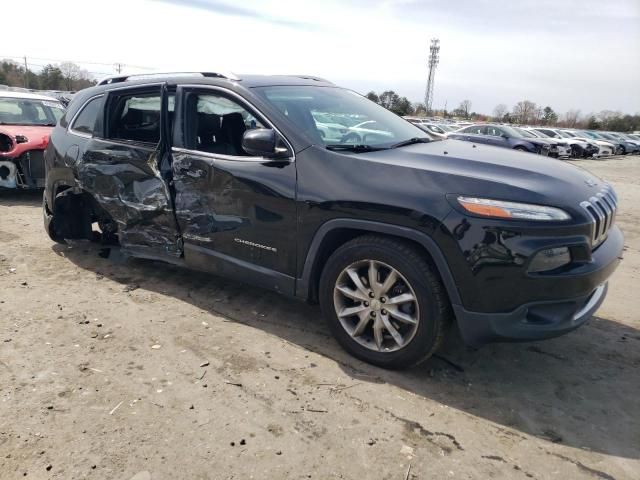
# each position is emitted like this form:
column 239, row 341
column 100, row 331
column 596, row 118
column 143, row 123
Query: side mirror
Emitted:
column 504, row 135
column 263, row 142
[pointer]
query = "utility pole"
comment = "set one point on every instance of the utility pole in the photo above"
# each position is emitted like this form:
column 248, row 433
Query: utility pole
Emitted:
column 26, row 73
column 118, row 67
column 434, row 59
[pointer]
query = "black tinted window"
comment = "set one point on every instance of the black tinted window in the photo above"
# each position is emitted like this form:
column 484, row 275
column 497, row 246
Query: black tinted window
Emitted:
column 216, row 124
column 137, row 117
column 475, row 129
column 85, row 122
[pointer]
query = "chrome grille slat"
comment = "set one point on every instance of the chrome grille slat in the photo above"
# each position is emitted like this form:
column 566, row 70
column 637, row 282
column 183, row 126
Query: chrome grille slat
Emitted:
column 601, row 208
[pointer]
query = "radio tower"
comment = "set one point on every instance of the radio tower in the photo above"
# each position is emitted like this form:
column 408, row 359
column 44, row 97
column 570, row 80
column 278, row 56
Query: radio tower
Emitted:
column 434, row 58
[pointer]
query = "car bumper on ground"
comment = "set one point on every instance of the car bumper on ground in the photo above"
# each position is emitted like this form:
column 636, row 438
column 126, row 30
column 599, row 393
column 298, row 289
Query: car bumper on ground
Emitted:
column 551, row 318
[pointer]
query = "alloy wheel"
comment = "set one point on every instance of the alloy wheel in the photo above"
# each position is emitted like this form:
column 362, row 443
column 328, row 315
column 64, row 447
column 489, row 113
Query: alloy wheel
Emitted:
column 376, row 306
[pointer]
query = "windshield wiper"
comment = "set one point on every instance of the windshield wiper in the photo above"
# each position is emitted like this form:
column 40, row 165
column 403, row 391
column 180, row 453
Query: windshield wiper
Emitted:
column 353, row 148
column 411, row 141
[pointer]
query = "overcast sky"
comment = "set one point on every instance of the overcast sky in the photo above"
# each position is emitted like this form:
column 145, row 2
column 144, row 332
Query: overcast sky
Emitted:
column 570, row 54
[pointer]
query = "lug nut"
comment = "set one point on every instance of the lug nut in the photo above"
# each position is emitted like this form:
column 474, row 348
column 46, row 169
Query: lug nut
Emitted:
column 383, row 299
column 371, row 294
column 373, row 314
column 383, row 312
column 366, row 304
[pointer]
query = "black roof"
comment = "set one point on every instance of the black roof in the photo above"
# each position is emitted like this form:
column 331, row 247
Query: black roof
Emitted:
column 213, row 78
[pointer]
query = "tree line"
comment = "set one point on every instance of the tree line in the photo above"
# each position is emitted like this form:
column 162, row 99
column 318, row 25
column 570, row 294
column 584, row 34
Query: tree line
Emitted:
column 524, row 112
column 66, row 76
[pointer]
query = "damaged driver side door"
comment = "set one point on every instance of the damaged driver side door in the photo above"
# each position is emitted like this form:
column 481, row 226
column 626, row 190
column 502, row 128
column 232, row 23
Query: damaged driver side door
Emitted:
column 120, row 168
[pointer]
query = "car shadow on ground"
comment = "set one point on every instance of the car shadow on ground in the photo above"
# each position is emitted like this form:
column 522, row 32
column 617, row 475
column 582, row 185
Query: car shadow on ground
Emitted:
column 14, row 198
column 579, row 390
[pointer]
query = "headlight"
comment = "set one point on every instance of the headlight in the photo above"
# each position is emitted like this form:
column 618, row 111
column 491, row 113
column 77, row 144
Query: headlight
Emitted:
column 514, row 210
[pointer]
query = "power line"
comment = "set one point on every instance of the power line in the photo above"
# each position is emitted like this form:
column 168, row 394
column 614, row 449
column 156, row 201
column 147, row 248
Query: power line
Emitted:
column 60, row 60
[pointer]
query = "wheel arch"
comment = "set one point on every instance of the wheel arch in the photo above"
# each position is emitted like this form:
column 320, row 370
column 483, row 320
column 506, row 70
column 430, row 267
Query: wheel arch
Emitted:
column 336, row 232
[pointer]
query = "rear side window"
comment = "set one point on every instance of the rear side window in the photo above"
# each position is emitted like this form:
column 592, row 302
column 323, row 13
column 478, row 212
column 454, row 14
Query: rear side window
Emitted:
column 136, row 117
column 475, row 129
column 85, row 122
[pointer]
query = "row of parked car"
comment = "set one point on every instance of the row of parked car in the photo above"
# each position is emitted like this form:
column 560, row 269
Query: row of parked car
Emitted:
column 548, row 141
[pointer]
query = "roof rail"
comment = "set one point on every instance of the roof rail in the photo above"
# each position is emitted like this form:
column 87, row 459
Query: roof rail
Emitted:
column 312, row 77
column 144, row 76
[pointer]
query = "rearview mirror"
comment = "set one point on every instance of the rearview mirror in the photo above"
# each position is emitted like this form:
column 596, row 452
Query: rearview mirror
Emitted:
column 263, row 142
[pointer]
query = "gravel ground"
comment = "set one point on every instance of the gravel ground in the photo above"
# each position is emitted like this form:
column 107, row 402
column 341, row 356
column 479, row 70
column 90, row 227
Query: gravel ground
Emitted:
column 113, row 369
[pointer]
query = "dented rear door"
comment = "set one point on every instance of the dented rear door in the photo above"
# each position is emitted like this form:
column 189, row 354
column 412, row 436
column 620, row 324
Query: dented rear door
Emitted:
column 120, row 168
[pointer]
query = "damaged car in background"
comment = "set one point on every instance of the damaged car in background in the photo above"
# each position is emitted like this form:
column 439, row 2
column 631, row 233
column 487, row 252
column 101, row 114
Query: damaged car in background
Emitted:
column 26, row 121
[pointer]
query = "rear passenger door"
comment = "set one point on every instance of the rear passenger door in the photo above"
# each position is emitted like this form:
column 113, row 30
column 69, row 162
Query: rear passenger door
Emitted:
column 119, row 166
column 236, row 212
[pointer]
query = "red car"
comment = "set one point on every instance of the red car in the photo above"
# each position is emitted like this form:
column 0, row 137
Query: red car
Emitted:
column 26, row 120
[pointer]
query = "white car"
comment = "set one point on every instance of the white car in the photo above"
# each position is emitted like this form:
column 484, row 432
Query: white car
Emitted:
column 605, row 148
column 364, row 131
column 579, row 147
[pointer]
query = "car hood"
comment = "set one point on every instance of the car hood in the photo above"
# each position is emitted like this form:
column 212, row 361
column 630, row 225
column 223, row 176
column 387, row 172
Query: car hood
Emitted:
column 459, row 167
column 37, row 138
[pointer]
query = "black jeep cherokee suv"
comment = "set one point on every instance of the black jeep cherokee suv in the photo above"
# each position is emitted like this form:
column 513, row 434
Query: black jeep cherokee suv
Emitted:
column 311, row 190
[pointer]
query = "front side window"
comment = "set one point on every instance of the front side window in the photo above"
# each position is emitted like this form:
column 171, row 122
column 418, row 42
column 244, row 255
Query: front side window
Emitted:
column 494, row 132
column 333, row 116
column 32, row 112
column 85, row 122
column 216, row 124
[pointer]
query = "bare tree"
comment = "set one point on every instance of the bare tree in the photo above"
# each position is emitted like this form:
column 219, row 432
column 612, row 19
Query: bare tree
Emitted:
column 465, row 106
column 70, row 73
column 571, row 118
column 500, row 111
column 419, row 108
column 524, row 111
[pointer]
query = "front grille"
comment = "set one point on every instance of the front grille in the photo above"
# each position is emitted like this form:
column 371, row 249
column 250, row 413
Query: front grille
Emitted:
column 602, row 211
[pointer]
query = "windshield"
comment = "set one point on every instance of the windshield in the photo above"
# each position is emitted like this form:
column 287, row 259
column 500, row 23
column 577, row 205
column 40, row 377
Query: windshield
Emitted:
column 608, row 136
column 26, row 111
column 567, row 134
column 338, row 117
column 524, row 133
column 587, row 134
column 512, row 132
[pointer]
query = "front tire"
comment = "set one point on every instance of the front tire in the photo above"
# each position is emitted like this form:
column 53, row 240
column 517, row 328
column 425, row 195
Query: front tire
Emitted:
column 384, row 302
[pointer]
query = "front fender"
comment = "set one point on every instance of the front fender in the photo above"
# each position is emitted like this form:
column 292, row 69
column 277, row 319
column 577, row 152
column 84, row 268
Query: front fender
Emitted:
column 303, row 284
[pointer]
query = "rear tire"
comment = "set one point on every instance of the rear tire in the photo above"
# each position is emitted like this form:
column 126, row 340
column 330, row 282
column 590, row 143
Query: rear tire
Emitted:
column 50, row 227
column 401, row 318
column 521, row 149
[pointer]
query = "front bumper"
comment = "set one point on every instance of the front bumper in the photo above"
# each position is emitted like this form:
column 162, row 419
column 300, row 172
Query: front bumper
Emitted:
column 533, row 321
column 538, row 320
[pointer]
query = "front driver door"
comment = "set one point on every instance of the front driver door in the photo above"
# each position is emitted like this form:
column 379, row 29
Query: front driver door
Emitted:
column 497, row 137
column 237, row 213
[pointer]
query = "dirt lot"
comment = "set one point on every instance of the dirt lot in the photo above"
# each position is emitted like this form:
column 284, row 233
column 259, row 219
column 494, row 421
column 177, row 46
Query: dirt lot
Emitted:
column 113, row 369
